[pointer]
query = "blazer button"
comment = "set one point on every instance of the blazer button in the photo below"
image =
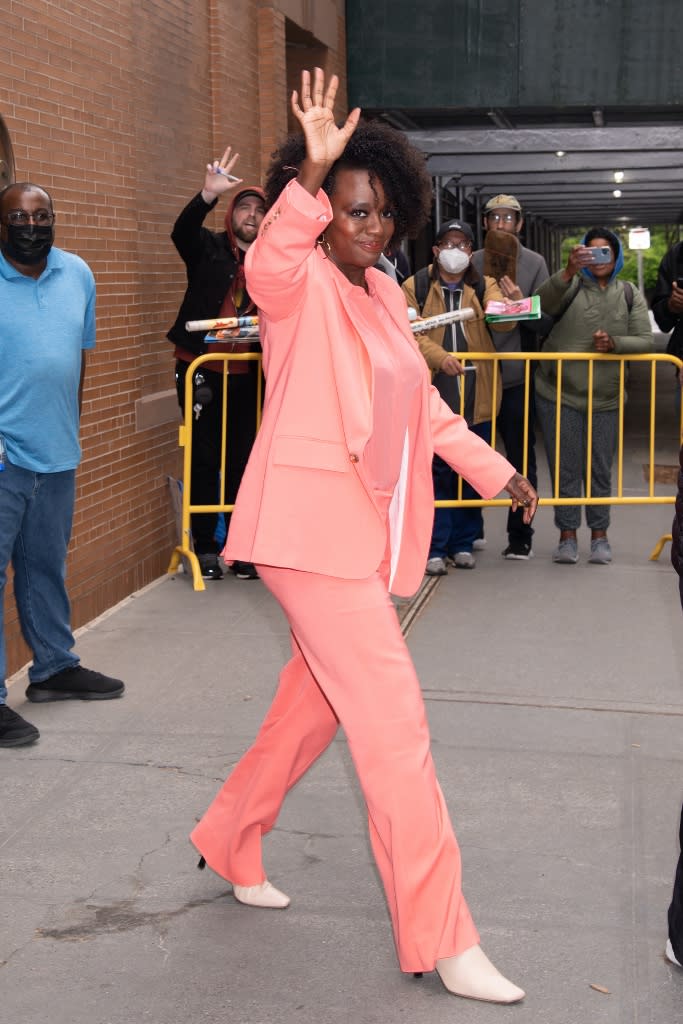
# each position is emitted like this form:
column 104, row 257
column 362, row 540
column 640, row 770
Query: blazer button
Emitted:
column 354, row 458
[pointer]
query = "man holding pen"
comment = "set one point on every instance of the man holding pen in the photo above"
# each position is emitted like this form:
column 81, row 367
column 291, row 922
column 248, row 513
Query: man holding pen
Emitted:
column 214, row 262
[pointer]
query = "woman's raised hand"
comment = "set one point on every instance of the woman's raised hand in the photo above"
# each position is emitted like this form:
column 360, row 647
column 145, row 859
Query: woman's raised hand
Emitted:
column 314, row 111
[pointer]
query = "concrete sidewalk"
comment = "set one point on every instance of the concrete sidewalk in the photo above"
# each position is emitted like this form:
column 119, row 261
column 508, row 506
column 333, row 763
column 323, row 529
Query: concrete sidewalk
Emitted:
column 555, row 700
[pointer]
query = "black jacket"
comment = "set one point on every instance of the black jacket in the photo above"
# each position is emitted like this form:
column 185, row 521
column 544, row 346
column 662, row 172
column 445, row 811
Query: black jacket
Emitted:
column 670, row 268
column 210, row 266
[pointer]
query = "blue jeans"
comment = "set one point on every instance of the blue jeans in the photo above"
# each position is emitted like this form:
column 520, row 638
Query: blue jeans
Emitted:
column 36, row 511
column 455, row 529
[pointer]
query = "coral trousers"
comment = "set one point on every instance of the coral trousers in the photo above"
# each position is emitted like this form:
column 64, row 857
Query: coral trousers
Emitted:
column 350, row 665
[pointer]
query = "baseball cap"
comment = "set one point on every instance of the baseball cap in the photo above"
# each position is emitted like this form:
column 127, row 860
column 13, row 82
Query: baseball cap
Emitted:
column 250, row 190
column 509, row 202
column 455, row 225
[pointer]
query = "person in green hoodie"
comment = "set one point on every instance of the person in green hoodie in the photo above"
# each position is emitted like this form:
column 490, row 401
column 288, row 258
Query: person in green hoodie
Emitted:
column 594, row 312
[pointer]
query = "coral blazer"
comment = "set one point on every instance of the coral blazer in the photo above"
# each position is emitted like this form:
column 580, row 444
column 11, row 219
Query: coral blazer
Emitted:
column 305, row 501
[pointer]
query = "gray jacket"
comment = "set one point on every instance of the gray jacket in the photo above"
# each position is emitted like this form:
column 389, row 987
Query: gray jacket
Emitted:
column 531, row 273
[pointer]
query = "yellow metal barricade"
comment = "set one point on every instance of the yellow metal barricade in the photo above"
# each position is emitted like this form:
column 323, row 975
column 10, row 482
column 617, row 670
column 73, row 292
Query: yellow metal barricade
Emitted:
column 648, row 497
column 184, row 549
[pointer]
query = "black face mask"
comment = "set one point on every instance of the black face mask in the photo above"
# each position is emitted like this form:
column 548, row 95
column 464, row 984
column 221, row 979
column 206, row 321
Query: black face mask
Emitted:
column 28, row 245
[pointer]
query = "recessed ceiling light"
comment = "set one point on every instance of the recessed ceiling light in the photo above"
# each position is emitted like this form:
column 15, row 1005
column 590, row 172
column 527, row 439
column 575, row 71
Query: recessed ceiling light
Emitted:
column 617, row 193
column 618, row 177
column 559, row 152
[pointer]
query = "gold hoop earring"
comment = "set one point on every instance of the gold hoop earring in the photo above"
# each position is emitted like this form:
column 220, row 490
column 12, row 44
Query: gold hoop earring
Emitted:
column 323, row 241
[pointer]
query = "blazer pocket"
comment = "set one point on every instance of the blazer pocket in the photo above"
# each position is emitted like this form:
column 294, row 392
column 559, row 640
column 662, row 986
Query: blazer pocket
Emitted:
column 310, row 453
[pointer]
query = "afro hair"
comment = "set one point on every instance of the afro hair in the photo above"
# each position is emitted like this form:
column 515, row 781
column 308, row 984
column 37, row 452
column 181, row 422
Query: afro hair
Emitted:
column 385, row 154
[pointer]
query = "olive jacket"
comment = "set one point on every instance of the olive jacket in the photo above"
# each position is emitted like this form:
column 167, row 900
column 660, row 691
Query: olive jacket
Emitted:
column 592, row 308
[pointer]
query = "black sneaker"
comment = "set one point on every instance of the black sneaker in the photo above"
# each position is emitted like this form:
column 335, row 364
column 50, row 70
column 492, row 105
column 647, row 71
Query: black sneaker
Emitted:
column 75, row 683
column 244, row 571
column 210, row 569
column 519, row 550
column 15, row 731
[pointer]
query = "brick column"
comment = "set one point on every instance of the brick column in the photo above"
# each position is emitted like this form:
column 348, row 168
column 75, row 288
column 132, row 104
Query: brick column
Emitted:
column 272, row 80
column 233, row 65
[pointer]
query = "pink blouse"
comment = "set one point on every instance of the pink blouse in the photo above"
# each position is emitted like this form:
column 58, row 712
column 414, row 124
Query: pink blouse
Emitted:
column 396, row 371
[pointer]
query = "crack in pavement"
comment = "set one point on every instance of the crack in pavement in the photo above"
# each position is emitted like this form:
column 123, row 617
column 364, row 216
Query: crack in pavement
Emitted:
column 15, row 952
column 178, row 769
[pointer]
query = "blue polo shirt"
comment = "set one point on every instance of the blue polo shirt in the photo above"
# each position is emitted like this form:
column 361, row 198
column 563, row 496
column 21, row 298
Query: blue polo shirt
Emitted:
column 44, row 325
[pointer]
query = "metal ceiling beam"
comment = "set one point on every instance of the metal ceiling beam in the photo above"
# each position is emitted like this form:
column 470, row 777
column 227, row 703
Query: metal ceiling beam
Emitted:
column 579, row 213
column 531, row 162
column 549, row 140
column 669, row 177
column 574, row 188
column 588, row 191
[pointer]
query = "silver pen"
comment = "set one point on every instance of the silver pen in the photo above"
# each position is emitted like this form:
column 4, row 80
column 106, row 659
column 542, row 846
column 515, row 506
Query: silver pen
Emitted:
column 230, row 177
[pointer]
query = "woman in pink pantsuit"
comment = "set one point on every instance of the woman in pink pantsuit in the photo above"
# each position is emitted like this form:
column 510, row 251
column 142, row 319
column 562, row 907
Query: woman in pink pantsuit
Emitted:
column 336, row 510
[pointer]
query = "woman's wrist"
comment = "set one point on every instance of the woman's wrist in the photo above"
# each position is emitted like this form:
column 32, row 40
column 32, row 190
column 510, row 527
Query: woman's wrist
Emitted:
column 312, row 175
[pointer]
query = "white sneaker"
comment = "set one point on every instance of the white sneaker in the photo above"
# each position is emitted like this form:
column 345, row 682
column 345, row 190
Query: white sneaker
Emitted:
column 479, row 544
column 464, row 560
column 670, row 955
column 436, row 567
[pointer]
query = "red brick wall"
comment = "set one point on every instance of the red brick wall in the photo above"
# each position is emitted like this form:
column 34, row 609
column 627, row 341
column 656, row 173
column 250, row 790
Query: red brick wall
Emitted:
column 116, row 108
column 272, row 80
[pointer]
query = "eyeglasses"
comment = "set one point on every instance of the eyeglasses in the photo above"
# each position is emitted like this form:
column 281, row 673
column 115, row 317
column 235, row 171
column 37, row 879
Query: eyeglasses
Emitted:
column 508, row 218
column 20, row 218
column 463, row 246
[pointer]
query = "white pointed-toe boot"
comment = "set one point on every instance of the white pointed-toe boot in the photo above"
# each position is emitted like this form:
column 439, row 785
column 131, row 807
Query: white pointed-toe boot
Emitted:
column 670, row 955
column 472, row 976
column 263, row 895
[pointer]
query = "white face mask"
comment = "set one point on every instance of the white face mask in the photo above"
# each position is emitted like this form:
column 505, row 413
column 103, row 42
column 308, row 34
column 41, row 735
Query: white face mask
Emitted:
column 453, row 261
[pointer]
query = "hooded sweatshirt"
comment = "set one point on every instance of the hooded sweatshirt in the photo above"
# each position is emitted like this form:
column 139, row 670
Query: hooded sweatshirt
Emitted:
column 215, row 272
column 591, row 309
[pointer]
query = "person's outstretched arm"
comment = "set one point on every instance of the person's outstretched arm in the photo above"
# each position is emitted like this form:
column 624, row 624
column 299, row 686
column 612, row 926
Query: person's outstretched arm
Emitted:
column 276, row 262
column 187, row 230
column 470, row 456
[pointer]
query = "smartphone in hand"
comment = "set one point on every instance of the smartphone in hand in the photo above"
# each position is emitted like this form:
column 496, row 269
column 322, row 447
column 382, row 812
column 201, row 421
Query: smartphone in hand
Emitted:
column 600, row 254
